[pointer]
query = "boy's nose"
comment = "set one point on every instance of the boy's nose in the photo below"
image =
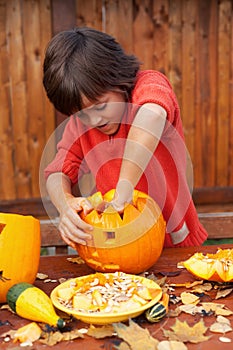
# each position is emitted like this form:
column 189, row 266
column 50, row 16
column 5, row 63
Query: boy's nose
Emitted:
column 95, row 120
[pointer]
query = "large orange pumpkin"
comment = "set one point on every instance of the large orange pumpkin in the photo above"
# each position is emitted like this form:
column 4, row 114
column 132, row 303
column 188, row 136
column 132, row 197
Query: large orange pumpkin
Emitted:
column 213, row 267
column 19, row 250
column 131, row 242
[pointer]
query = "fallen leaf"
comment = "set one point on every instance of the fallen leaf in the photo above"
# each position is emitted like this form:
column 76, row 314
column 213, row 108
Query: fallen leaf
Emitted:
column 53, row 338
column 189, row 298
column 222, row 325
column 181, row 331
column 171, row 345
column 170, row 274
column 174, row 313
column 100, row 332
column 41, row 276
column 123, row 346
column 223, row 312
column 187, row 284
column 29, row 333
column 217, row 308
column 206, row 287
column 5, row 307
column 135, row 336
column 76, row 260
column 190, row 309
column 222, row 293
column 74, row 334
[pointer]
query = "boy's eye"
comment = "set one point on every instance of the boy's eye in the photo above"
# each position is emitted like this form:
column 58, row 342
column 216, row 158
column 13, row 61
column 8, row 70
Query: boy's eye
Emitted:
column 100, row 106
column 81, row 115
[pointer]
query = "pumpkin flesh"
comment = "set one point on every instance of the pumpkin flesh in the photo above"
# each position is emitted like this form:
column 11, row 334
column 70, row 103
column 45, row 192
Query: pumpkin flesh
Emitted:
column 213, row 267
column 136, row 255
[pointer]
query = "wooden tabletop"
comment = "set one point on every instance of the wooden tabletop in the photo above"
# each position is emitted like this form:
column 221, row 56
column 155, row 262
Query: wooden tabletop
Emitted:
column 57, row 267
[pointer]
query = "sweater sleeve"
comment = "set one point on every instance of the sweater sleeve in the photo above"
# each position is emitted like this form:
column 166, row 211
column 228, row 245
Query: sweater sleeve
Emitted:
column 69, row 153
column 154, row 87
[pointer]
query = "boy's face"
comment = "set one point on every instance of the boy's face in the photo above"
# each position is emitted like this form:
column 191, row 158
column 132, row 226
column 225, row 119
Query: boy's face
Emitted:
column 106, row 114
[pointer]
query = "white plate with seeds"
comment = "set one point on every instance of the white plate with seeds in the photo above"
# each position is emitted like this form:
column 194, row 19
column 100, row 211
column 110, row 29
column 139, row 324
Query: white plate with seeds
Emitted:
column 103, row 298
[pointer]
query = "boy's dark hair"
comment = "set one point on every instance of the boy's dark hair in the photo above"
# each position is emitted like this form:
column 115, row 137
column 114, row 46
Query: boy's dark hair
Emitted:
column 85, row 62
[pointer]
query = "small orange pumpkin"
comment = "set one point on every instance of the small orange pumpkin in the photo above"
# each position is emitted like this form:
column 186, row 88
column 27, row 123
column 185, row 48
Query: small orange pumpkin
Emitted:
column 213, row 267
column 130, row 242
column 19, row 250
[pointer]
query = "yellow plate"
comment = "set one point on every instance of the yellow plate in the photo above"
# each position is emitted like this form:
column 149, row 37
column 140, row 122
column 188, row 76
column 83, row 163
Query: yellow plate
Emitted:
column 105, row 318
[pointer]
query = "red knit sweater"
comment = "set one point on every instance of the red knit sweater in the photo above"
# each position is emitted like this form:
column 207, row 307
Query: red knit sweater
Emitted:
column 83, row 150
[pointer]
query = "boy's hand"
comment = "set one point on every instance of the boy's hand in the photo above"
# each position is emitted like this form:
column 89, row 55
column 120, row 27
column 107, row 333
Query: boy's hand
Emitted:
column 73, row 229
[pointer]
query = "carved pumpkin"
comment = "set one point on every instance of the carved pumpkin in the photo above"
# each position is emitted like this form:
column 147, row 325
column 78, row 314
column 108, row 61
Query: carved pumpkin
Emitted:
column 130, row 242
column 213, row 267
column 19, row 250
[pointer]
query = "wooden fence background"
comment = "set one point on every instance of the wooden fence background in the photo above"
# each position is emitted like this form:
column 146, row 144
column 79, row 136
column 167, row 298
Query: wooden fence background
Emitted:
column 191, row 41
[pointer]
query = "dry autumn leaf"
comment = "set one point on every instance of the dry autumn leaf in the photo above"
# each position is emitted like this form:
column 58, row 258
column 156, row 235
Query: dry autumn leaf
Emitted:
column 41, row 276
column 181, row 331
column 100, row 332
column 222, row 293
column 56, row 337
column 135, row 336
column 122, row 346
column 189, row 298
column 28, row 333
column 217, row 308
column 222, row 325
column 171, row 345
column 76, row 260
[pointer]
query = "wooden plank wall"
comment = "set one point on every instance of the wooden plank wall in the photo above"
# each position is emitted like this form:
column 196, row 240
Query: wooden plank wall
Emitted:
column 191, row 41
column 26, row 117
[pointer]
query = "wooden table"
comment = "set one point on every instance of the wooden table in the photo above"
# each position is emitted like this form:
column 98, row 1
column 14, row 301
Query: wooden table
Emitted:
column 58, row 266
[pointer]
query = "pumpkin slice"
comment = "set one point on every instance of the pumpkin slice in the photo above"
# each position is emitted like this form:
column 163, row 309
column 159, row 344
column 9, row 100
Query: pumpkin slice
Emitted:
column 213, row 267
column 200, row 267
column 224, row 269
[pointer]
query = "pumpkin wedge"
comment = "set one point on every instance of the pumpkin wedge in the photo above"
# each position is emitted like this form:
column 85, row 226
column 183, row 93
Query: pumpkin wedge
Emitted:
column 130, row 242
column 212, row 267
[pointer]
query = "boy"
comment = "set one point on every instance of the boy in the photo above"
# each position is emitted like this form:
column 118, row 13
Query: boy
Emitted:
column 124, row 128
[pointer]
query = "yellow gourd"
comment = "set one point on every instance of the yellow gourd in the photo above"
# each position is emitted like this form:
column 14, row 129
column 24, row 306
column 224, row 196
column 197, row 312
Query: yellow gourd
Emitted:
column 33, row 304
